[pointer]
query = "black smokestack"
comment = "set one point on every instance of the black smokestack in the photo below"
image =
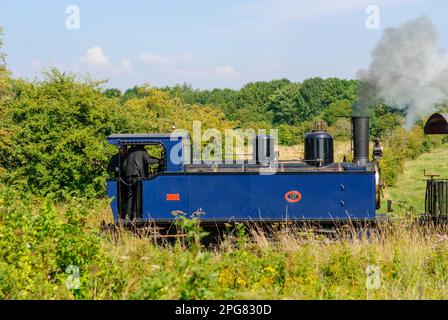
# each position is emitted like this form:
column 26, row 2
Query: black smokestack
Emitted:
column 360, row 139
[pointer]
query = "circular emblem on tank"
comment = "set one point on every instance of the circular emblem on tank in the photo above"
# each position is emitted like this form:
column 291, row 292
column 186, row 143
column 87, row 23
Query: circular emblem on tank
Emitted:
column 293, row 196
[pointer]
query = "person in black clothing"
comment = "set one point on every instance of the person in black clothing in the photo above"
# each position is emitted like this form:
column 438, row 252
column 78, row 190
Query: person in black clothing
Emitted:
column 114, row 166
column 137, row 166
column 114, row 163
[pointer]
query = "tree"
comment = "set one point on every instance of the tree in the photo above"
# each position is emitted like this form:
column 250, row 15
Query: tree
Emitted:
column 283, row 104
column 312, row 98
column 55, row 142
column 318, row 94
column 384, row 119
column 155, row 108
column 132, row 93
column 5, row 81
column 336, row 110
column 113, row 93
column 258, row 93
column 335, row 89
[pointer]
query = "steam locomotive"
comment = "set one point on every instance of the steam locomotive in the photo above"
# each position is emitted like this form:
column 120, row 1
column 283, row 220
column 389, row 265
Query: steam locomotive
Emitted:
column 312, row 189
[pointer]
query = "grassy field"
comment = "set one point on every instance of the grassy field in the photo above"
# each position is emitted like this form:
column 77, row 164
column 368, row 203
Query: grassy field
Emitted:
column 402, row 262
column 293, row 264
column 408, row 195
column 39, row 241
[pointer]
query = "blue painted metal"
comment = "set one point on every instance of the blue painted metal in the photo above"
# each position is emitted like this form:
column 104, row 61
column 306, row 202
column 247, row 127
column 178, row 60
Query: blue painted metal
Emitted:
column 171, row 143
column 112, row 188
column 241, row 197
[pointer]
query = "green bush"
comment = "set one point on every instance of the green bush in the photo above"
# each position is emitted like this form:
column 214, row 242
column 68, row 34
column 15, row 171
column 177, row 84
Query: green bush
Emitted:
column 391, row 166
column 192, row 277
column 54, row 136
column 39, row 242
column 402, row 145
column 289, row 135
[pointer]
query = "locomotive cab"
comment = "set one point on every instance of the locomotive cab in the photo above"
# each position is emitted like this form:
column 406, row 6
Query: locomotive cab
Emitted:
column 171, row 150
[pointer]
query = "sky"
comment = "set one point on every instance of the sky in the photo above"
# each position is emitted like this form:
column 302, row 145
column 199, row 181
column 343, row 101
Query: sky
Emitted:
column 206, row 44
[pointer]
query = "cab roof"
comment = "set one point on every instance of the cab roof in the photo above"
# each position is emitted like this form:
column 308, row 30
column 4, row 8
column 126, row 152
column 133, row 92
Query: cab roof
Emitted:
column 143, row 138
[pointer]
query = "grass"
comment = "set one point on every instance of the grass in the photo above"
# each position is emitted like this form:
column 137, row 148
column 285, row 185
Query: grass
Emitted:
column 407, row 262
column 409, row 192
column 295, row 266
column 341, row 149
column 39, row 241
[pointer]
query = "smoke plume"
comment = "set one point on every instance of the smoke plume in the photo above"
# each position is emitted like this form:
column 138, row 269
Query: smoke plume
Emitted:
column 408, row 71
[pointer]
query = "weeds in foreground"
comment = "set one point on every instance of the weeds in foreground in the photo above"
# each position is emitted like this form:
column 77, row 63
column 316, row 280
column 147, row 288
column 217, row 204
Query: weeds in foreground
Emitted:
column 39, row 242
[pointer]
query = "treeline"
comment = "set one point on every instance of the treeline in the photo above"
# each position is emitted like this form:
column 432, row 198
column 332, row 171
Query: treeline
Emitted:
column 52, row 131
column 291, row 107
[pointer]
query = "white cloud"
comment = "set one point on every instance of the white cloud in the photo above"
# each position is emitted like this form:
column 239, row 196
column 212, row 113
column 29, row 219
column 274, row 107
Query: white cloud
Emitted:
column 227, row 71
column 151, row 58
column 102, row 65
column 155, row 59
column 125, row 65
column 95, row 57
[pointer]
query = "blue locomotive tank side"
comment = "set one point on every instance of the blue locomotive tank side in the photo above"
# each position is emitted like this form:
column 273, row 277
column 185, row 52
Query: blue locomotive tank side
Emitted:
column 232, row 196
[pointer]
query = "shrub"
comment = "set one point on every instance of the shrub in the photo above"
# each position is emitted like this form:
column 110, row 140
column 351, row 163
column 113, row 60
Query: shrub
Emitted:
column 401, row 145
column 39, row 242
column 289, row 135
column 54, row 141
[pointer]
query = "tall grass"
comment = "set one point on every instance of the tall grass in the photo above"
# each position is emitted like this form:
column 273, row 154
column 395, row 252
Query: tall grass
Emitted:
column 38, row 242
column 341, row 149
column 290, row 263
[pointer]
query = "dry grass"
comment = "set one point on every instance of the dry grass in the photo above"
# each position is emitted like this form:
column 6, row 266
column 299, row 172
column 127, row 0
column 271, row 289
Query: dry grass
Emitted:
column 290, row 263
column 409, row 261
column 341, row 149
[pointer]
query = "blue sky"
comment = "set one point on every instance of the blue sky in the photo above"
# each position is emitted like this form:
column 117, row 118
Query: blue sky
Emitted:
column 204, row 43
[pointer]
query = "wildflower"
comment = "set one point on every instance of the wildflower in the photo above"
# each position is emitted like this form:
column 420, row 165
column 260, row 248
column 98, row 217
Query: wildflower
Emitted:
column 269, row 269
column 241, row 282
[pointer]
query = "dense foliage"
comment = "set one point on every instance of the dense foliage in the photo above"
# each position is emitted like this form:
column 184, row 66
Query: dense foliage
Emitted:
column 53, row 132
column 57, row 253
column 402, row 145
column 274, row 102
column 39, row 244
column 5, row 83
